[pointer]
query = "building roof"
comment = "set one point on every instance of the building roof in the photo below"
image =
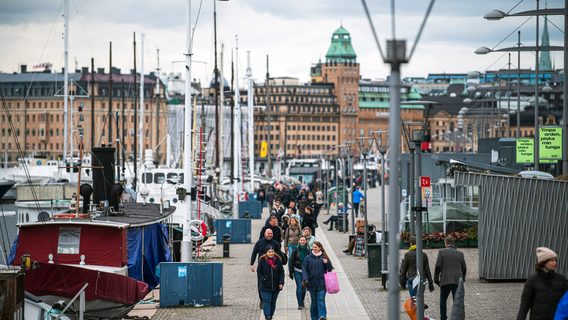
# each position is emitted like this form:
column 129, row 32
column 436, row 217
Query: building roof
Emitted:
column 340, row 49
column 386, row 105
column 36, row 77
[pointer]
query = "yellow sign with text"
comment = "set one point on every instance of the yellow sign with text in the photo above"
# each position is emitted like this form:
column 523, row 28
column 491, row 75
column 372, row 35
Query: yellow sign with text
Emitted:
column 263, row 149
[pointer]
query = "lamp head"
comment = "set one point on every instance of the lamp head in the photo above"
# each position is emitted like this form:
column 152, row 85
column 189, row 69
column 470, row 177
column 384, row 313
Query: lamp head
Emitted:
column 494, row 15
column 482, row 50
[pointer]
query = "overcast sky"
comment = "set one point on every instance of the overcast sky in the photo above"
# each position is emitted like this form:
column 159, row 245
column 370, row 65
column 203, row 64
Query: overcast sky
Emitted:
column 294, row 33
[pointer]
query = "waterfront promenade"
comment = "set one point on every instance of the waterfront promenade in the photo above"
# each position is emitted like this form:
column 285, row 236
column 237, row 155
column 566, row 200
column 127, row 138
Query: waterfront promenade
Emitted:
column 360, row 296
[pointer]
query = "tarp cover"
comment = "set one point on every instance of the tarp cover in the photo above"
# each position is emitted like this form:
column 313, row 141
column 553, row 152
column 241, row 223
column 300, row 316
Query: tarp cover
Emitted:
column 101, row 245
column 153, row 239
column 66, row 281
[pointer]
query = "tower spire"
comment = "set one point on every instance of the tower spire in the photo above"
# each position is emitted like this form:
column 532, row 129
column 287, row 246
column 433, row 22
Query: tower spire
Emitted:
column 545, row 61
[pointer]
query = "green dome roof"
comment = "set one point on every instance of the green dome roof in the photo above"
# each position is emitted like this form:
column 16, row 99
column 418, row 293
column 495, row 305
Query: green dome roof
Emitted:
column 340, row 49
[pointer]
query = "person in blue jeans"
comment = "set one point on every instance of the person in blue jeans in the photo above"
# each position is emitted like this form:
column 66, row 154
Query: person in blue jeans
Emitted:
column 295, row 269
column 357, row 196
column 313, row 268
column 271, row 276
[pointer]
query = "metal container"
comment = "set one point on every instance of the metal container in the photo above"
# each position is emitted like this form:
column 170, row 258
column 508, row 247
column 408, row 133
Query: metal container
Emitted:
column 253, row 207
column 238, row 229
column 193, row 284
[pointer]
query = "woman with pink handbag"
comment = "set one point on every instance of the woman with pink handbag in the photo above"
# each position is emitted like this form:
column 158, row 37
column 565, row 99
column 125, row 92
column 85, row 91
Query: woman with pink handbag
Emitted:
column 314, row 268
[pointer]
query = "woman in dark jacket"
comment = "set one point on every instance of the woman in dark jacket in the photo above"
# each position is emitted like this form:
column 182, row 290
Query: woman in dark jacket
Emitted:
column 309, row 220
column 544, row 289
column 295, row 269
column 271, row 277
column 315, row 265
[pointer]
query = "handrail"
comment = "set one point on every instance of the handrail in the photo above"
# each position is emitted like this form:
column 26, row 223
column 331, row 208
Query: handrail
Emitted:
column 81, row 302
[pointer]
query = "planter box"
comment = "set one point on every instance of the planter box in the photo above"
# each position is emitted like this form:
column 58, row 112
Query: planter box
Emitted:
column 472, row 243
column 462, row 244
column 435, row 244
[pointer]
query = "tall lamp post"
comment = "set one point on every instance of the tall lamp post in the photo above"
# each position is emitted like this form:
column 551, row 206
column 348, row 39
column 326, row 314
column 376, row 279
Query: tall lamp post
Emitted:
column 498, row 15
column 382, row 146
column 365, row 144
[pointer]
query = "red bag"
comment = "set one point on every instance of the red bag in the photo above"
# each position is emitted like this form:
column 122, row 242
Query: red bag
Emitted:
column 331, row 282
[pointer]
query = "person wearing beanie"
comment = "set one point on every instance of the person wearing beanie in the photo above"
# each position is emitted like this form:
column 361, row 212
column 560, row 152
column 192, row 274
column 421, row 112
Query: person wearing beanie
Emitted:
column 543, row 289
column 271, row 280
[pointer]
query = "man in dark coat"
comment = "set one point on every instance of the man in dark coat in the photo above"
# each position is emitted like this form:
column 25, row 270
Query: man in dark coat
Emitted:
column 272, row 224
column 261, row 245
column 450, row 267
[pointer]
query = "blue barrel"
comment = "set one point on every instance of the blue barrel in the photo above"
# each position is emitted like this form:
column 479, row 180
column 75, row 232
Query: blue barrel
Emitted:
column 191, row 284
column 238, row 229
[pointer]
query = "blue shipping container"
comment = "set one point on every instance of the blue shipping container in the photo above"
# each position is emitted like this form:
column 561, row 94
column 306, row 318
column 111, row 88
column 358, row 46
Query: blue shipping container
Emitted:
column 253, row 207
column 191, row 284
column 238, row 229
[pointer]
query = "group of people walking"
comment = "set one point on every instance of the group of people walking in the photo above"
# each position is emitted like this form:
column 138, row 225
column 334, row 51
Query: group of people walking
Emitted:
column 287, row 239
column 545, row 294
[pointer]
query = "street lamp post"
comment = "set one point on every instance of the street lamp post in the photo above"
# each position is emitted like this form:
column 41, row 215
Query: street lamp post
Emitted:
column 365, row 144
column 382, row 146
column 498, row 15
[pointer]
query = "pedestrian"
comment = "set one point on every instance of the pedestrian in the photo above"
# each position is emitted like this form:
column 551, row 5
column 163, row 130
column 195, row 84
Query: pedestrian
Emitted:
column 332, row 220
column 270, row 195
column 272, row 224
column 307, row 233
column 408, row 269
column 295, row 269
column 292, row 234
column 357, row 196
column 543, row 289
column 271, row 277
column 259, row 249
column 277, row 209
column 450, row 267
column 309, row 220
column 313, row 268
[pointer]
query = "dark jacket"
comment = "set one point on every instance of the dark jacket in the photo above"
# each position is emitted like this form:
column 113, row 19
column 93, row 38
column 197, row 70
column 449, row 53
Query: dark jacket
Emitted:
column 260, row 248
column 450, row 267
column 309, row 220
column 408, row 267
column 276, row 233
column 542, row 292
column 296, row 260
column 313, row 270
column 270, row 278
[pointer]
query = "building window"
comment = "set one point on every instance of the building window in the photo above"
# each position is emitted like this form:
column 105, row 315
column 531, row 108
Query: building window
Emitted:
column 69, row 240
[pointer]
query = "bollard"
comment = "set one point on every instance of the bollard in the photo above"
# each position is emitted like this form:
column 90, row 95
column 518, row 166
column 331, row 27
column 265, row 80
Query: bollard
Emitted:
column 226, row 242
column 246, row 215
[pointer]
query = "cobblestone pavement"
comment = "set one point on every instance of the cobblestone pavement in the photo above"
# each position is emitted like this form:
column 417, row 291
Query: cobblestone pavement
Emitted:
column 483, row 300
column 240, row 299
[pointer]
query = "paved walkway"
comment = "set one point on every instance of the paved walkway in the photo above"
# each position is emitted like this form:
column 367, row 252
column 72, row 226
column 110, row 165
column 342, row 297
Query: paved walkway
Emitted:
column 342, row 305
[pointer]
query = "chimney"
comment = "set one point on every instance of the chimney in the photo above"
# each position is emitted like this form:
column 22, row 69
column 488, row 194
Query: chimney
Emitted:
column 23, row 68
column 101, row 70
column 115, row 70
column 85, row 70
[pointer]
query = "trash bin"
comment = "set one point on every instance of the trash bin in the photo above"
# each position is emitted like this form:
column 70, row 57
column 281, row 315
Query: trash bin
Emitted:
column 374, row 260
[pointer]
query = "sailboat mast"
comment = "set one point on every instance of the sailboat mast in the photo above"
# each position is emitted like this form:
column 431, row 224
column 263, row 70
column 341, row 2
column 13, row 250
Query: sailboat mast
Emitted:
column 185, row 205
column 158, row 103
column 121, row 135
column 221, row 113
column 65, row 78
column 216, row 82
column 141, row 142
column 135, row 144
column 250, row 113
column 237, row 138
column 92, row 103
column 110, row 94
column 269, row 120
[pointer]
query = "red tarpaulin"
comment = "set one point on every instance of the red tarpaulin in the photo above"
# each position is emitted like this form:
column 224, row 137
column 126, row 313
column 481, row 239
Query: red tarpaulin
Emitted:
column 105, row 246
column 66, row 281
